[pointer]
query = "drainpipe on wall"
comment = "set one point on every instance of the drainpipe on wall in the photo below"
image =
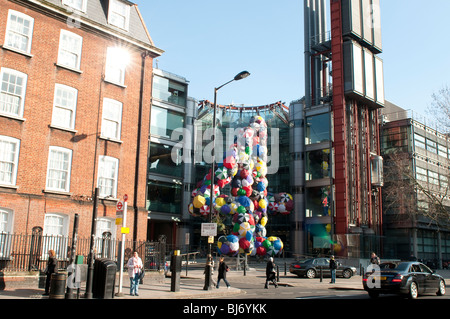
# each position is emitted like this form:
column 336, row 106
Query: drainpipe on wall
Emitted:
column 144, row 55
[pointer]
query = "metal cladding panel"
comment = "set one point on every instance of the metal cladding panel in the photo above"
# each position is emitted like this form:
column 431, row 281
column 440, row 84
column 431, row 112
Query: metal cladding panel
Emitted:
column 351, row 18
column 376, row 21
column 363, row 74
column 379, row 81
column 367, row 22
column 353, row 68
column 369, row 85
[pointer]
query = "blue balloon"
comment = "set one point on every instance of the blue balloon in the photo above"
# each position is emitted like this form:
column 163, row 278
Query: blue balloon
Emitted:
column 225, row 209
column 232, row 238
column 261, row 186
column 244, row 201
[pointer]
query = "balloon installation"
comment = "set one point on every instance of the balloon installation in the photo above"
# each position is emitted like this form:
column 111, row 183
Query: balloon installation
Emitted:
column 249, row 206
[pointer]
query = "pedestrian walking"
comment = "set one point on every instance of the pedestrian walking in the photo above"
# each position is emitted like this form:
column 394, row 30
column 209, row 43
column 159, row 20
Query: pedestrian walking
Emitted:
column 134, row 272
column 333, row 267
column 51, row 268
column 270, row 273
column 374, row 259
column 222, row 273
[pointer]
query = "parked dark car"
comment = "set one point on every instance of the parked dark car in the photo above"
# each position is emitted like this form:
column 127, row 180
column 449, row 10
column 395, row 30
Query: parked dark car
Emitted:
column 311, row 268
column 407, row 278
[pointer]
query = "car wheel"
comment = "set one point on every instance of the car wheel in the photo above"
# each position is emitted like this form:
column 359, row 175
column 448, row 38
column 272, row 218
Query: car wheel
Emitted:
column 413, row 291
column 310, row 273
column 441, row 290
column 347, row 273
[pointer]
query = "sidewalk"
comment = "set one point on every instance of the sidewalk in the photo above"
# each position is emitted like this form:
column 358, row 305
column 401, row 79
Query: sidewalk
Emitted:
column 191, row 286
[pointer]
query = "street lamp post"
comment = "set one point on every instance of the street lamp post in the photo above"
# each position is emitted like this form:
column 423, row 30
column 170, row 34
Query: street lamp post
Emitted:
column 208, row 267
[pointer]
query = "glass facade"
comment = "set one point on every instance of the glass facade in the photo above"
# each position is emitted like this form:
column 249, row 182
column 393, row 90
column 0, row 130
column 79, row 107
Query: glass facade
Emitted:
column 163, row 197
column 278, row 175
column 396, row 138
column 169, row 91
column 164, row 122
column 318, row 164
column 318, row 203
column 317, row 129
column 166, row 168
column 165, row 160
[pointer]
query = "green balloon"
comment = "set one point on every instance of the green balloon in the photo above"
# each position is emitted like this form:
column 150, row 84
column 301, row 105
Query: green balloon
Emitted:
column 241, row 210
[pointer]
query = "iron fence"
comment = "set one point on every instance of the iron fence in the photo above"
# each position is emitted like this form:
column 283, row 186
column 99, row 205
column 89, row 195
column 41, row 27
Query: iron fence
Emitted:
column 19, row 252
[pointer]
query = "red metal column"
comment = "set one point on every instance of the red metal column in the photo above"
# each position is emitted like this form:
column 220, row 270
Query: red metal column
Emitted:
column 368, row 186
column 340, row 129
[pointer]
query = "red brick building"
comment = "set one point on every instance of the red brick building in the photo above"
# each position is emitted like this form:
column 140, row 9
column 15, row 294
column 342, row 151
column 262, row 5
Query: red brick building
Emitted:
column 75, row 96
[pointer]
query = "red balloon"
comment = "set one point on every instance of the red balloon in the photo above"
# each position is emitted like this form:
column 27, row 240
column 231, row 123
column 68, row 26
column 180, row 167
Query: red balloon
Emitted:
column 229, row 162
column 244, row 173
column 244, row 243
column 261, row 251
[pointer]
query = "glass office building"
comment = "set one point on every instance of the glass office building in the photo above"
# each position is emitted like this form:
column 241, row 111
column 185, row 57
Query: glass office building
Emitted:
column 228, row 119
column 166, row 168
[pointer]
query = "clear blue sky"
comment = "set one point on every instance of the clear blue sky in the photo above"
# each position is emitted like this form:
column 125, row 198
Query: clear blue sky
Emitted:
column 209, row 41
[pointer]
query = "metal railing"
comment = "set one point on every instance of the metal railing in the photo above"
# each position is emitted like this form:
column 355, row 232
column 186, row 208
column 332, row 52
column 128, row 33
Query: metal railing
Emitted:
column 19, row 252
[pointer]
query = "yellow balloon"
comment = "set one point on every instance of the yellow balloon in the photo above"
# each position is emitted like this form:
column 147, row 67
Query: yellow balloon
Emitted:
column 199, row 201
column 263, row 221
column 263, row 203
column 220, row 201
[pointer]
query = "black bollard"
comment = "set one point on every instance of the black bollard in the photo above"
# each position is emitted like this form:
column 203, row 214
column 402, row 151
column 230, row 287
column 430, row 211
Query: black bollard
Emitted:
column 175, row 269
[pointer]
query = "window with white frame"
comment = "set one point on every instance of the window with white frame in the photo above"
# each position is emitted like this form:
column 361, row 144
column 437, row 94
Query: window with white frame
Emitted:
column 70, row 48
column 56, row 234
column 9, row 160
column 12, row 94
column 6, row 222
column 79, row 5
column 116, row 64
column 64, row 106
column 4, row 218
column 119, row 14
column 58, row 169
column 108, row 171
column 111, row 119
column 19, row 31
column 105, row 224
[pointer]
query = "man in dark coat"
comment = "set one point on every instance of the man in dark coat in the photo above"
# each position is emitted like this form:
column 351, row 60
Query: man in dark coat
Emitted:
column 223, row 268
column 270, row 273
column 333, row 267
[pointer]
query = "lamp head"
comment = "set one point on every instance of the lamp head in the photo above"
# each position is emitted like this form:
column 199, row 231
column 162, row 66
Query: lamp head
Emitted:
column 241, row 75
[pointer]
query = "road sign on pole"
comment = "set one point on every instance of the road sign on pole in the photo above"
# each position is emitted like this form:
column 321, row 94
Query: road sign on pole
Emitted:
column 122, row 247
column 209, row 229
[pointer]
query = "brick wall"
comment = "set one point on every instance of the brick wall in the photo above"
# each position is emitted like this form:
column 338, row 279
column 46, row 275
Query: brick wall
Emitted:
column 28, row 200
